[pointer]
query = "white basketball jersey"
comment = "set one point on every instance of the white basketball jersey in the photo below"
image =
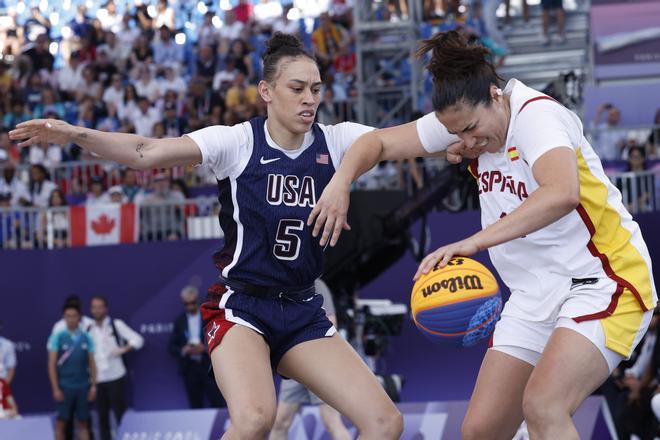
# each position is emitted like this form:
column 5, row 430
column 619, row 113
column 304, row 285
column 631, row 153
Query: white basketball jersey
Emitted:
column 598, row 239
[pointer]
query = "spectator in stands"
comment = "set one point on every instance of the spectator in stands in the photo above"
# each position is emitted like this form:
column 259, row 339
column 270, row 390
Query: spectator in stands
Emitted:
column 653, row 142
column 206, row 65
column 129, row 104
column 111, row 120
column 96, row 194
column 241, row 98
column 40, row 185
column 90, row 85
column 39, row 55
column 113, row 338
column 105, row 69
column 70, row 78
column 8, row 407
column 116, row 195
column 110, row 20
column 326, row 41
column 609, row 139
column 224, row 78
column 172, row 81
column 286, row 26
column 7, row 358
column 187, row 346
column 244, row 11
column 147, row 86
column 32, row 92
column 12, row 36
column 6, row 152
column 638, row 189
column 142, row 53
column 115, row 93
column 12, row 185
column 208, row 34
column 173, row 124
column 158, row 130
column 16, row 115
column 231, row 30
column 328, row 111
column 553, row 7
column 129, row 185
column 81, row 24
column 145, row 117
column 49, row 104
column 166, row 51
column 58, row 220
column 164, row 15
column 72, row 373
column 265, row 13
column 49, row 155
column 240, row 55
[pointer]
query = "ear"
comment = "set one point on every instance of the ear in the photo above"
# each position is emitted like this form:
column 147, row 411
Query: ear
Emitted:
column 495, row 93
column 264, row 91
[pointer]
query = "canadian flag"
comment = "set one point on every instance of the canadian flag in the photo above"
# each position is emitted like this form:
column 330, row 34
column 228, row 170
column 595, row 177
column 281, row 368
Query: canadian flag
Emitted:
column 104, row 224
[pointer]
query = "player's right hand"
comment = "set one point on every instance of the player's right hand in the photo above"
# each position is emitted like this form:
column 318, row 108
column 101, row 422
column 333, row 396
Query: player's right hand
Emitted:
column 58, row 395
column 52, row 131
column 330, row 212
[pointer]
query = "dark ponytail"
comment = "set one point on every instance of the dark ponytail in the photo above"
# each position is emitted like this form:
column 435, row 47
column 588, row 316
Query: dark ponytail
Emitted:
column 280, row 46
column 461, row 71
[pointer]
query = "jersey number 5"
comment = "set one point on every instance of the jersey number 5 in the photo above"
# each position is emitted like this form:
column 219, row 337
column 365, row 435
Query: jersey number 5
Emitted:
column 288, row 242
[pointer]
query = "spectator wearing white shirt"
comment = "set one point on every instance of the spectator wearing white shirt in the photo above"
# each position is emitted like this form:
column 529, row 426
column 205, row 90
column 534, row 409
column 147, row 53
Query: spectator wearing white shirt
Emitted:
column 70, row 77
column 164, row 15
column 46, row 154
column 145, row 117
column 109, row 18
column 208, row 34
column 115, row 93
column 116, row 54
column 172, row 81
column 146, row 86
column 231, row 29
column 127, row 35
column 40, row 185
column 11, row 184
column 286, row 26
column 112, row 338
column 609, row 138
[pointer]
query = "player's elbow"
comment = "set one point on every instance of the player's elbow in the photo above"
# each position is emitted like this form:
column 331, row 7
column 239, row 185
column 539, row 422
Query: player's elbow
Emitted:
column 570, row 198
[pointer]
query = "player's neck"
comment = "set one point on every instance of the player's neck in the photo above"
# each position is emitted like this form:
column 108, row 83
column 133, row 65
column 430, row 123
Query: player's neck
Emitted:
column 282, row 137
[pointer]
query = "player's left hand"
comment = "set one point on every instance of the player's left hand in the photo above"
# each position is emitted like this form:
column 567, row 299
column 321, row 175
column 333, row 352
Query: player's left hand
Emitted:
column 458, row 151
column 91, row 395
column 442, row 255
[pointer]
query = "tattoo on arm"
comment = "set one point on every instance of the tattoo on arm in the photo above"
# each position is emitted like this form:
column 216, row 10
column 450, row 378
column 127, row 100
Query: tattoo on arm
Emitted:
column 139, row 149
column 83, row 135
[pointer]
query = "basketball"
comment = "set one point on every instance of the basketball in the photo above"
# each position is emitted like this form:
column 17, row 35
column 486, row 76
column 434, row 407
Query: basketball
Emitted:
column 457, row 304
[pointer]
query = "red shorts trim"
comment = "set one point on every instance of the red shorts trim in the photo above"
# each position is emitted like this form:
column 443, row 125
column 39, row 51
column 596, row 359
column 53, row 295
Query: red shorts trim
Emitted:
column 215, row 323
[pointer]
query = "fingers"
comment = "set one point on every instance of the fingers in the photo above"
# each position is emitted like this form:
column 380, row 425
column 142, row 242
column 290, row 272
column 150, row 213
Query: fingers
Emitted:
column 313, row 214
column 31, row 141
column 340, row 223
column 330, row 228
column 454, row 158
column 321, row 220
column 426, row 265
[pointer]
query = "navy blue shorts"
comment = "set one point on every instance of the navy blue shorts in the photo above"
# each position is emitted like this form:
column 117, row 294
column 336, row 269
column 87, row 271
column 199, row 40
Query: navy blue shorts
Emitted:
column 549, row 5
column 284, row 320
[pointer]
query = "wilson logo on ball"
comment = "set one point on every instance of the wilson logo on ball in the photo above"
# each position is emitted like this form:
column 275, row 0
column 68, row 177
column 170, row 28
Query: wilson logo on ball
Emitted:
column 467, row 282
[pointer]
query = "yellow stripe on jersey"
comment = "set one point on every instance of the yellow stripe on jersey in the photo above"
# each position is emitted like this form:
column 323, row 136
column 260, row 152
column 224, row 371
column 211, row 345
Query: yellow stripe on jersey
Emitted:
column 610, row 241
column 622, row 262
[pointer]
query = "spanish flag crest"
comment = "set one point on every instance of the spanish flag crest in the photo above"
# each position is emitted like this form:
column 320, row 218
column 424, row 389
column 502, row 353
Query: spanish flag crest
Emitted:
column 513, row 153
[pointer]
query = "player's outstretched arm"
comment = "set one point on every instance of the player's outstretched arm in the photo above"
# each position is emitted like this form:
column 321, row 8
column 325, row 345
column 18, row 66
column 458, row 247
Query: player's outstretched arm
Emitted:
column 135, row 151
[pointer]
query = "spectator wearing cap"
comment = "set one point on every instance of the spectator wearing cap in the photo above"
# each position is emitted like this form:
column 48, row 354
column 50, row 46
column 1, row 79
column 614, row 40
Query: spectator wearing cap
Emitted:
column 116, row 195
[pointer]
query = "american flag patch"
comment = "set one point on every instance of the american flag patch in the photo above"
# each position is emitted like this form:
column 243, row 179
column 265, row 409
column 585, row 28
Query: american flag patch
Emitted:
column 513, row 154
column 322, row 159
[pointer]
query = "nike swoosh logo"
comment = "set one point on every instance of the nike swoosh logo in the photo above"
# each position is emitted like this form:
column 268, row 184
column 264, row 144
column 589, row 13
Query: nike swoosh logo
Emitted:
column 263, row 161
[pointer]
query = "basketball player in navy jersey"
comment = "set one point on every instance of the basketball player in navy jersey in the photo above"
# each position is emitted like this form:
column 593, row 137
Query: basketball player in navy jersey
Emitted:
column 264, row 313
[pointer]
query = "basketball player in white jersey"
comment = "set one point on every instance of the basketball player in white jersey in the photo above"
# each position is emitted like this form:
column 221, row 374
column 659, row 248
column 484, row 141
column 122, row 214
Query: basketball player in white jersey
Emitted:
column 582, row 290
column 264, row 313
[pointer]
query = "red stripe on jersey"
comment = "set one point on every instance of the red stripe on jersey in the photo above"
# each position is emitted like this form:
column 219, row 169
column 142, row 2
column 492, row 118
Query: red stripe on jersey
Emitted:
column 529, row 101
column 473, row 168
column 621, row 283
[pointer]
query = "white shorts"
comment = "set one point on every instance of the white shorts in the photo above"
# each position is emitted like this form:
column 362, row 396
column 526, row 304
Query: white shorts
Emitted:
column 525, row 340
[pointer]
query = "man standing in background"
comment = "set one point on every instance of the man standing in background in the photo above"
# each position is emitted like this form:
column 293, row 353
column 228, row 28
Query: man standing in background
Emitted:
column 187, row 345
column 72, row 373
column 112, row 339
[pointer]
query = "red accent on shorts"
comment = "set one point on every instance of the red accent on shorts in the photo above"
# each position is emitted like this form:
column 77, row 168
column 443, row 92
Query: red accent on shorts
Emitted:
column 621, row 283
column 491, row 341
column 215, row 323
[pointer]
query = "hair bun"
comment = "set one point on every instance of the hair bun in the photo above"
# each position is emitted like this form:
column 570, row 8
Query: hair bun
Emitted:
column 280, row 41
column 452, row 56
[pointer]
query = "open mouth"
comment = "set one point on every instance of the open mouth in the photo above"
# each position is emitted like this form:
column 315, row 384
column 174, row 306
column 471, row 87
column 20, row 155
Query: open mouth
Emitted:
column 307, row 115
column 483, row 143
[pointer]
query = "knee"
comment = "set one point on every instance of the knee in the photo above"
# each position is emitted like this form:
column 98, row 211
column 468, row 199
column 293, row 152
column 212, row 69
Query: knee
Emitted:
column 282, row 424
column 387, row 424
column 254, row 422
column 473, row 429
column 539, row 409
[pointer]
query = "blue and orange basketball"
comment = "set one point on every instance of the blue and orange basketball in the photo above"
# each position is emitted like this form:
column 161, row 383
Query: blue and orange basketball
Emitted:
column 459, row 303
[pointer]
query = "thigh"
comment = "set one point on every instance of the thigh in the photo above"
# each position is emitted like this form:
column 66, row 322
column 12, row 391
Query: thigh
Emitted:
column 82, row 404
column 496, row 402
column 241, row 364
column 332, row 370
column 570, row 369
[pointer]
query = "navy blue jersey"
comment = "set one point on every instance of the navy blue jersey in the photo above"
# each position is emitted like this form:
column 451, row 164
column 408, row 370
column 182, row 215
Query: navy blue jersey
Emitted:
column 264, row 214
